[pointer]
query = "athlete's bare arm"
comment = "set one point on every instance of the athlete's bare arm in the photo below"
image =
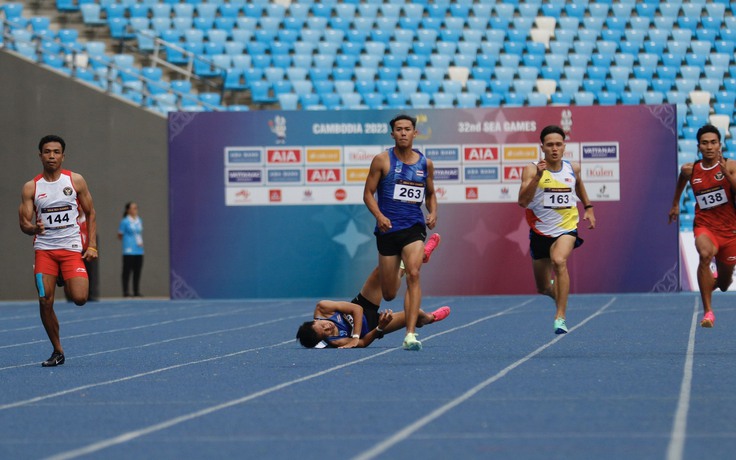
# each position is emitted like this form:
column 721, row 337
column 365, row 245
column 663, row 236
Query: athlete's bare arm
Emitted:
column 430, row 199
column 28, row 223
column 379, row 167
column 85, row 201
column 582, row 194
column 686, row 172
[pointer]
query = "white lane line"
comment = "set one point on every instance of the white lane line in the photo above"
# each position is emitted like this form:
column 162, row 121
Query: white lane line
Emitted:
column 402, row 435
column 165, row 341
column 135, row 376
column 129, row 436
column 679, row 426
column 126, row 329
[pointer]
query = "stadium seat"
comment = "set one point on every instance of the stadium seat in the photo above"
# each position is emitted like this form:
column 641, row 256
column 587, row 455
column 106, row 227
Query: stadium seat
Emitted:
column 420, row 100
column 443, row 100
column 288, row 101
column 653, row 97
column 467, row 100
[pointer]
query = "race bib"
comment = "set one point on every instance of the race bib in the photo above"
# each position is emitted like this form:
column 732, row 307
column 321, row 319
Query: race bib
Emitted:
column 412, row 192
column 58, row 217
column 558, row 198
column 711, row 198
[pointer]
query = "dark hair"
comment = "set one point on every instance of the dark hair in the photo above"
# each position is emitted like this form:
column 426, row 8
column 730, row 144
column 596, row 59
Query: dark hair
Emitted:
column 403, row 116
column 127, row 208
column 708, row 128
column 51, row 138
column 307, row 336
column 551, row 129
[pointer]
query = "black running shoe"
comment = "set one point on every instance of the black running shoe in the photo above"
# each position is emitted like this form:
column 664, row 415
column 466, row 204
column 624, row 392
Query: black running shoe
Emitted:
column 56, row 359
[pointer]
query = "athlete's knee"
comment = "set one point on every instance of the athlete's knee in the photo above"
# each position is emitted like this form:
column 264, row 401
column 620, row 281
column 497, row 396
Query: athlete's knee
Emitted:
column 389, row 293
column 559, row 263
column 79, row 301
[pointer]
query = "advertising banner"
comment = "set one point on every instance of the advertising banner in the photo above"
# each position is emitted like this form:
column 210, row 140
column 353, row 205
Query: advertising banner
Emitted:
column 269, row 204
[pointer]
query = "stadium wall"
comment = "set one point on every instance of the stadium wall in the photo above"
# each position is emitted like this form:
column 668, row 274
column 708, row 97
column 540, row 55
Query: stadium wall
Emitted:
column 118, row 148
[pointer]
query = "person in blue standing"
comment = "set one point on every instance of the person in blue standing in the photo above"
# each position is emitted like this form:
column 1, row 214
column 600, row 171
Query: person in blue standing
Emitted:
column 399, row 181
column 130, row 232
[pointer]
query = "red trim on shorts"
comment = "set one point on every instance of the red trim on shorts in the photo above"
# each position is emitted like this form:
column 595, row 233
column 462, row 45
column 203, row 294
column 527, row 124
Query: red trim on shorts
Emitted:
column 725, row 246
column 51, row 262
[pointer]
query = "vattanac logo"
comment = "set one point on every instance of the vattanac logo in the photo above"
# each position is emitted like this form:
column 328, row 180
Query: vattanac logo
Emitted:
column 278, row 127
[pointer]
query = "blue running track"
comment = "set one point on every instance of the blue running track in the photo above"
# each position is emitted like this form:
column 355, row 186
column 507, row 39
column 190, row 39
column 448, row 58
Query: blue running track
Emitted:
column 635, row 378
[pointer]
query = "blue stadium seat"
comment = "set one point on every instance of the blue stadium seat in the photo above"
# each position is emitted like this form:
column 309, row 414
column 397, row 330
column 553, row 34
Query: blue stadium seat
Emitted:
column 261, row 92
column 443, row 100
column 490, row 99
column 513, row 99
column 584, row 98
column 364, row 87
column 420, row 100
column 537, row 99
column 288, row 101
column 467, row 100
column 607, row 98
column 320, row 86
column 476, row 86
column 396, row 101
column 653, row 97
column 594, row 85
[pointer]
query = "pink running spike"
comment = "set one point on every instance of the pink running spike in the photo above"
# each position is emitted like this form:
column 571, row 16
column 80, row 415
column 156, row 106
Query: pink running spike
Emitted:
column 441, row 313
column 708, row 319
column 431, row 245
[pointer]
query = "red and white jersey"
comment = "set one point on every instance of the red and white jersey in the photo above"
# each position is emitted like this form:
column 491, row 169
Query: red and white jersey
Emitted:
column 56, row 204
column 714, row 208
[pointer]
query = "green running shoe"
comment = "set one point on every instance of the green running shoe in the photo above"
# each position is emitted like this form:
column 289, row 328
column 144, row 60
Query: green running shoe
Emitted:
column 560, row 326
column 412, row 343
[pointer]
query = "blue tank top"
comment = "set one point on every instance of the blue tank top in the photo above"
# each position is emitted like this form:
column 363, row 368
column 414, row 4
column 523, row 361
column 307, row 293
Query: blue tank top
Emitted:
column 344, row 323
column 401, row 193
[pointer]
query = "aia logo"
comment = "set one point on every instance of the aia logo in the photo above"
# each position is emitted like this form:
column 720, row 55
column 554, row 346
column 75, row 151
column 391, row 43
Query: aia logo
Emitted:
column 284, row 156
column 341, row 194
column 471, row 193
column 512, row 173
column 274, row 196
column 480, row 153
column 324, row 175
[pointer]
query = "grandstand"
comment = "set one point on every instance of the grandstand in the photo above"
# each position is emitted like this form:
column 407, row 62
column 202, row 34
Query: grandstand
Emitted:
column 197, row 55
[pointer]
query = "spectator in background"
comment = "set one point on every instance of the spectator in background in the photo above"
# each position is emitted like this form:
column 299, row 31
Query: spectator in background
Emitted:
column 131, row 233
column 713, row 180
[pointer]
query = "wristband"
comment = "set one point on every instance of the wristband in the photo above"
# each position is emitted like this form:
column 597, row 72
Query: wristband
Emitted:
column 92, row 249
column 355, row 336
column 379, row 333
column 588, row 206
